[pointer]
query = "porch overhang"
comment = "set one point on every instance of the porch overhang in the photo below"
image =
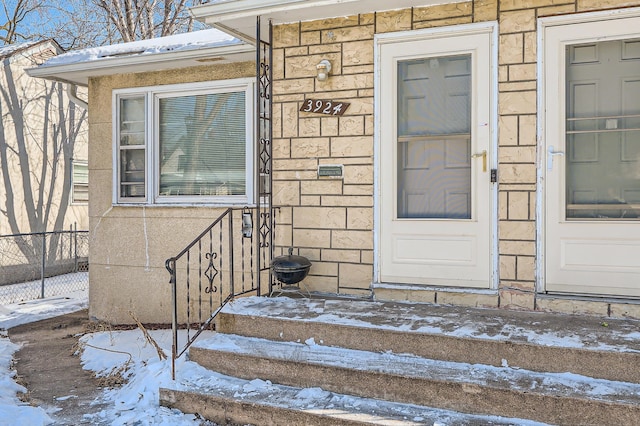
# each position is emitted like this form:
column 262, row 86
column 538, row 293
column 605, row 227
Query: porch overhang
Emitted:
column 238, row 17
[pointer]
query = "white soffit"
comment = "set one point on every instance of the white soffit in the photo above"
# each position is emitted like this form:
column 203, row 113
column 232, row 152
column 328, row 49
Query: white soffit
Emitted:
column 238, row 17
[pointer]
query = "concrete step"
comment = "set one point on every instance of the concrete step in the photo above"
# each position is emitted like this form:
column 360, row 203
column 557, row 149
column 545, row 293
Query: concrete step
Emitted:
column 224, row 399
column 557, row 398
column 544, row 342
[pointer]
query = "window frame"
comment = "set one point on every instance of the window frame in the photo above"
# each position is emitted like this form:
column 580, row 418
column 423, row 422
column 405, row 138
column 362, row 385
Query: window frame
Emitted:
column 152, row 96
column 72, row 198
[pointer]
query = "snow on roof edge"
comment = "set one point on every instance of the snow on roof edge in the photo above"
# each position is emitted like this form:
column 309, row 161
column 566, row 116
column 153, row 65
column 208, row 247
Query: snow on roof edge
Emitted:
column 178, row 42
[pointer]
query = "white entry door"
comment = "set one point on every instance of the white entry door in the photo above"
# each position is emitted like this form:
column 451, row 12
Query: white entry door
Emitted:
column 435, row 151
column 592, row 145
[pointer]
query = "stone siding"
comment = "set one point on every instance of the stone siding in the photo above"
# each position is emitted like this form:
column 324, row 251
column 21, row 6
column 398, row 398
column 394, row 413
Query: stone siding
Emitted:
column 331, row 220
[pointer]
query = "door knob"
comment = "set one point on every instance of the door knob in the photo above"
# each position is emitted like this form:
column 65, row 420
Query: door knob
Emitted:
column 482, row 154
column 551, row 152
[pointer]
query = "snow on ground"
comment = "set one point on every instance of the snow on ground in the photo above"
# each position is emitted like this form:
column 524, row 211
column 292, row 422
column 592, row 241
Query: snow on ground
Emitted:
column 136, row 402
column 54, row 286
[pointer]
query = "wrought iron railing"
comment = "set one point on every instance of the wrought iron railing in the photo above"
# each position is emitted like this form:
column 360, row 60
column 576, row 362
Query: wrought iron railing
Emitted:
column 218, row 265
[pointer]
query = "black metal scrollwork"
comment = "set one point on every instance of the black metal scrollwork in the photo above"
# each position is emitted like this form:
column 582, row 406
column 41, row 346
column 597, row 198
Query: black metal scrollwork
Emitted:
column 211, row 273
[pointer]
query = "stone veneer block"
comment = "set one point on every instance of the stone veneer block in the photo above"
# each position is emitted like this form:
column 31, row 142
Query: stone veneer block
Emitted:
column 347, row 201
column 360, row 218
column 530, row 47
column 353, row 146
column 526, row 268
column 286, row 35
column 518, row 206
column 328, row 126
column 443, row 22
column 357, row 53
column 525, row 248
column 326, row 269
column 556, row 10
column 340, row 35
column 318, row 238
column 391, row 21
column 351, row 240
column 527, row 4
column 517, row 230
column 572, row 306
column 355, row 275
column 321, row 187
column 517, row 173
column 517, row 102
column 508, row 134
column 320, row 284
column 507, row 267
column 309, row 147
column 511, row 49
column 300, row 85
column 517, row 154
column 625, row 310
column 584, row 5
column 444, row 11
column 485, row 10
column 358, row 174
column 286, row 193
column 467, row 299
column 522, row 72
column 514, row 299
column 323, row 24
column 320, row 217
column 518, row 21
column 336, row 255
column 310, row 38
column 528, row 131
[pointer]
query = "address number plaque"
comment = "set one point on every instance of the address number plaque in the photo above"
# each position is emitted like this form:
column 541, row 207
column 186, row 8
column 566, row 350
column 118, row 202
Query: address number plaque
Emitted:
column 324, row 107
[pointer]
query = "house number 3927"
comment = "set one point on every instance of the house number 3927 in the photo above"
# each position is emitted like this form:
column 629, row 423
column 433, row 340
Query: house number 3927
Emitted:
column 324, row 107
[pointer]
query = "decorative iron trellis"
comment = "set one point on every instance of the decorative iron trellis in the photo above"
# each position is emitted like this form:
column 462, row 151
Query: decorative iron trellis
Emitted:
column 264, row 131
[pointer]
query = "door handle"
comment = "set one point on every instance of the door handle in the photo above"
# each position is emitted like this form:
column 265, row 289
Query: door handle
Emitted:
column 550, row 153
column 482, row 154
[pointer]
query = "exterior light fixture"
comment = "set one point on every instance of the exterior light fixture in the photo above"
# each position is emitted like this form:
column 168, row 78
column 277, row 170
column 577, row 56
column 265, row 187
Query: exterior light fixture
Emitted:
column 323, row 69
column 247, row 223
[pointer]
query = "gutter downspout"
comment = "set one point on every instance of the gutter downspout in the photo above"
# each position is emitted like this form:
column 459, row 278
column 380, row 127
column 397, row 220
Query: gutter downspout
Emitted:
column 72, row 91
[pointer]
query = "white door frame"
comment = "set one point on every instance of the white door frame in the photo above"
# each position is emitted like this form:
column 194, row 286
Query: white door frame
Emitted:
column 425, row 34
column 542, row 25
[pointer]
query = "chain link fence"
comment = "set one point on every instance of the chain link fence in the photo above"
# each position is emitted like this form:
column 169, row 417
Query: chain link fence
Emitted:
column 43, row 264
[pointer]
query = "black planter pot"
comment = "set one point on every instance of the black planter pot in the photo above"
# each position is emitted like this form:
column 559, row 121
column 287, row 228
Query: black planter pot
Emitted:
column 290, row 269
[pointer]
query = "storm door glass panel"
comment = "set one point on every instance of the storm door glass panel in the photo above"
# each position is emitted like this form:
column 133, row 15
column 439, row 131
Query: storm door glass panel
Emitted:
column 434, row 138
column 203, row 142
column 603, row 131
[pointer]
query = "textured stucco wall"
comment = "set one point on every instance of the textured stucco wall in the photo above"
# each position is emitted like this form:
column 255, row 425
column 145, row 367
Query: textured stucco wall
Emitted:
column 129, row 244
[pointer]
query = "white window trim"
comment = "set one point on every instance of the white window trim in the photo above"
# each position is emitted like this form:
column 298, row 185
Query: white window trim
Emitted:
column 72, row 200
column 152, row 178
column 566, row 29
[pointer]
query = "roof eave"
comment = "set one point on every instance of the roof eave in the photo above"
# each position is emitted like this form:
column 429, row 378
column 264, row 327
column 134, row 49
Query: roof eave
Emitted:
column 240, row 15
column 78, row 73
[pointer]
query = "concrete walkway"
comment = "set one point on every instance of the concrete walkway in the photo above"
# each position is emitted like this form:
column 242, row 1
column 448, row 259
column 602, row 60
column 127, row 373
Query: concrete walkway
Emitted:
column 47, row 367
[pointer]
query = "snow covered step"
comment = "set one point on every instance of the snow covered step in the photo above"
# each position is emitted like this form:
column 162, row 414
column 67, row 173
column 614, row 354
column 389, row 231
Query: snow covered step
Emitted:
column 224, row 399
column 473, row 388
column 595, row 347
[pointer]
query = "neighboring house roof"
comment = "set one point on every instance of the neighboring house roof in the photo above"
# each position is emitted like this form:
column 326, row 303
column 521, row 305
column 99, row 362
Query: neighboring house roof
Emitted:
column 29, row 47
column 176, row 51
column 238, row 17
